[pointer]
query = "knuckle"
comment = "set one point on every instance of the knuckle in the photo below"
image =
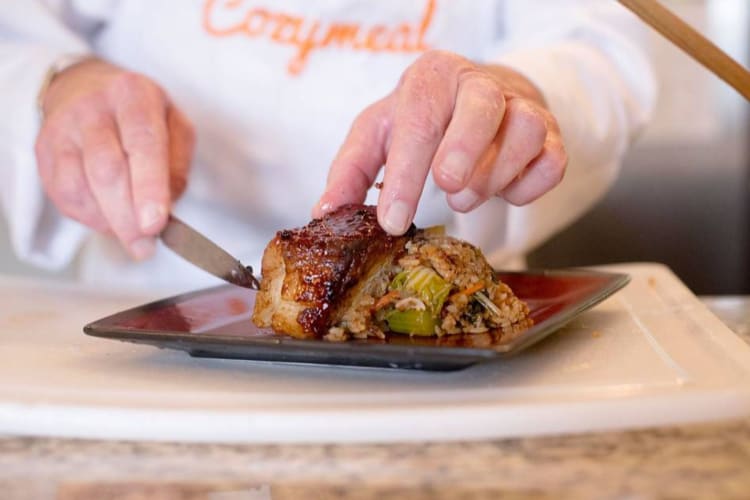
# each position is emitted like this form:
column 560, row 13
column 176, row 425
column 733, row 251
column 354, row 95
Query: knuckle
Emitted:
column 142, row 130
column 92, row 118
column 136, row 85
column 423, row 128
column 89, row 108
column 94, row 100
column 144, row 137
column 489, row 91
column 531, row 120
column 435, row 64
column 417, row 85
column 105, row 168
column 436, row 59
column 130, row 80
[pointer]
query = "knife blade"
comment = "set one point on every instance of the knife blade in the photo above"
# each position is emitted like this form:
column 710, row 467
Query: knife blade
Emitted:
column 205, row 254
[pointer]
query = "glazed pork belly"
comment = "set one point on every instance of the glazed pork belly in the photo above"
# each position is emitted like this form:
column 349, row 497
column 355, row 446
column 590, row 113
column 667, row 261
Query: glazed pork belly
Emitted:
column 327, row 274
column 343, row 277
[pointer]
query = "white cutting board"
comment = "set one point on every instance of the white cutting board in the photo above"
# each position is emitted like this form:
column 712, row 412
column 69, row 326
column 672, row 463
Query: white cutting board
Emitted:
column 650, row 355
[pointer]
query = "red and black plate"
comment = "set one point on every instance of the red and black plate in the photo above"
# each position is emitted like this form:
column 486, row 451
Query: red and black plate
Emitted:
column 215, row 323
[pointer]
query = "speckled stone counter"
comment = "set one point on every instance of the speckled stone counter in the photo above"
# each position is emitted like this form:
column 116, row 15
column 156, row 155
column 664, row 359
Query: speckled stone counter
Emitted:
column 706, row 461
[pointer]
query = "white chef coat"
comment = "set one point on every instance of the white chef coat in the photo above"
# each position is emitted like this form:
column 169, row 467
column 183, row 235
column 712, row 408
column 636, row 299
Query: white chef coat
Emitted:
column 272, row 87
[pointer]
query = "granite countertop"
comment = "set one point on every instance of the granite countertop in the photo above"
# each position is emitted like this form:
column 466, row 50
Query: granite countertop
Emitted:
column 703, row 461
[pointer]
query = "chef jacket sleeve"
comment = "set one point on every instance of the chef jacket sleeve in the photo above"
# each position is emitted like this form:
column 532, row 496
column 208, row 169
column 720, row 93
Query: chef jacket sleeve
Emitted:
column 34, row 36
column 588, row 60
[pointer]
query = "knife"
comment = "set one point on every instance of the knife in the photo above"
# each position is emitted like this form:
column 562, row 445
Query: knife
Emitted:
column 204, row 253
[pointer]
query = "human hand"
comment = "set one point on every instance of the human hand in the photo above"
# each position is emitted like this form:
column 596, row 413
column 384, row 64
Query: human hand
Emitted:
column 113, row 152
column 484, row 131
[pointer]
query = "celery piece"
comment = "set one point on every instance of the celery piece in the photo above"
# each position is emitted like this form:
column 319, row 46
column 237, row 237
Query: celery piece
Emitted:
column 412, row 322
column 398, row 281
column 431, row 288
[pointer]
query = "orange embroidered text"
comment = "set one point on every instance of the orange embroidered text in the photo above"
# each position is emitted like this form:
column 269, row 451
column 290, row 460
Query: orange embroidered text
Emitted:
column 222, row 18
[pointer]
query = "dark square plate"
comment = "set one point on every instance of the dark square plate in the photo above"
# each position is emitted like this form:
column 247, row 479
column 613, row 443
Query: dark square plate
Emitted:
column 216, row 323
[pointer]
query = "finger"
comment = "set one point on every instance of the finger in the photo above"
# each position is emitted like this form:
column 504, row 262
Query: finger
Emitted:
column 107, row 174
column 71, row 193
column 478, row 113
column 520, row 139
column 141, row 115
column 64, row 181
column 358, row 161
column 423, row 107
column 544, row 173
column 181, row 146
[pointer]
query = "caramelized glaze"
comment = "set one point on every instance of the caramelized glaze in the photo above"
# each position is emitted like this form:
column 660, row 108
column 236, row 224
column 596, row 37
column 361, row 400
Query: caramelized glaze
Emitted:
column 328, row 256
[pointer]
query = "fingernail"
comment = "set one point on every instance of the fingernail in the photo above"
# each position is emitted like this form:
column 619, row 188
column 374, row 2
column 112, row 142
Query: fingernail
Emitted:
column 398, row 218
column 324, row 207
column 143, row 249
column 456, row 166
column 150, row 215
column 464, row 200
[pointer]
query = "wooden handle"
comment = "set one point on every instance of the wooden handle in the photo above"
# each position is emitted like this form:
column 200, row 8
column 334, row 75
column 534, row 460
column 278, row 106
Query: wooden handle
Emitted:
column 692, row 42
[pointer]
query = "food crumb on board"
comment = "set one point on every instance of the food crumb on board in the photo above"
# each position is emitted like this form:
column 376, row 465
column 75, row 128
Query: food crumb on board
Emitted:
column 596, row 334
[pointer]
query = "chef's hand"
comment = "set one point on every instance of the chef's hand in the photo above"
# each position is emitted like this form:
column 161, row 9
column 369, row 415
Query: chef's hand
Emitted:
column 113, row 152
column 484, row 131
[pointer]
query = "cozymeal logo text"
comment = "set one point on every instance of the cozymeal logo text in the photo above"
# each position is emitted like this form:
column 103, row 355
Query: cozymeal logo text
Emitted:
column 227, row 18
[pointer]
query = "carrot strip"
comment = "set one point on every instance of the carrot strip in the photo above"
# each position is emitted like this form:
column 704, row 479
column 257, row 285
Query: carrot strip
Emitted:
column 469, row 290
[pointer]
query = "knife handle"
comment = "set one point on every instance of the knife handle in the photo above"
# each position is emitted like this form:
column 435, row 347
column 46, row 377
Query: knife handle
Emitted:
column 692, row 42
